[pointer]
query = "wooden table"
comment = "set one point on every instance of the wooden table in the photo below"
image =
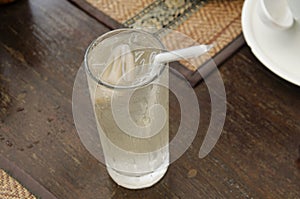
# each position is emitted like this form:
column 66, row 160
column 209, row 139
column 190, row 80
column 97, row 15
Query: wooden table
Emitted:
column 42, row 43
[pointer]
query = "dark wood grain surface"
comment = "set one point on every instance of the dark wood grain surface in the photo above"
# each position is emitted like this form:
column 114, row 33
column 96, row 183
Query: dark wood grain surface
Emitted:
column 42, row 43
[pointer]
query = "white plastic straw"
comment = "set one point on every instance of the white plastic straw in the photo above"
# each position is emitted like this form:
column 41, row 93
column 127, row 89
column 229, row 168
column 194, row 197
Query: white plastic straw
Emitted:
column 185, row 53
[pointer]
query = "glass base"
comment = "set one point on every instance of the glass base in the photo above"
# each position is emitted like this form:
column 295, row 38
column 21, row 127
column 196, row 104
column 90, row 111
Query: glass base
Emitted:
column 137, row 182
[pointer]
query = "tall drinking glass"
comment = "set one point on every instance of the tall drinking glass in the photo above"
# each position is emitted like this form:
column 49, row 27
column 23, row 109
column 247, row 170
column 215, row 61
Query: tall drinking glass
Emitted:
column 131, row 104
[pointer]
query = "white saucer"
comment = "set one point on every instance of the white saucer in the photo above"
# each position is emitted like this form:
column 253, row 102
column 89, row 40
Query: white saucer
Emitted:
column 278, row 50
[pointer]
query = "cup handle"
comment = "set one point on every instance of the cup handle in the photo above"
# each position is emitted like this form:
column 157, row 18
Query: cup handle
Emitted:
column 275, row 14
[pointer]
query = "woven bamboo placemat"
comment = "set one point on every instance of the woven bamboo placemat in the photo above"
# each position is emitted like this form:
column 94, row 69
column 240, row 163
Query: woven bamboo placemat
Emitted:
column 205, row 21
column 17, row 184
column 12, row 189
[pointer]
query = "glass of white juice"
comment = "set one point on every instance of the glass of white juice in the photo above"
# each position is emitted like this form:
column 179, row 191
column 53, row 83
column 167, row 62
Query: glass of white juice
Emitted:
column 131, row 105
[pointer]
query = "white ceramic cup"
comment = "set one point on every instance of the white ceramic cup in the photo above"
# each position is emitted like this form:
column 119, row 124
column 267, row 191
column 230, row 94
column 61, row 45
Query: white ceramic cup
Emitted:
column 279, row 14
column 295, row 8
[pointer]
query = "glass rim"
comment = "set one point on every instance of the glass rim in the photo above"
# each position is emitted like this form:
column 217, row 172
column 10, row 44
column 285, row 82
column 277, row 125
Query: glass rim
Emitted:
column 112, row 86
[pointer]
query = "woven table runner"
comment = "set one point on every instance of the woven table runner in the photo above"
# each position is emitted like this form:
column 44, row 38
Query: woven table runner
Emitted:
column 12, row 189
column 17, row 184
column 216, row 22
